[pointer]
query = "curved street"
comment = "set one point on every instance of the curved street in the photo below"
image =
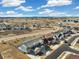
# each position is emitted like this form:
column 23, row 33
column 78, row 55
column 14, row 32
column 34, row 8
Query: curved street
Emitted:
column 62, row 48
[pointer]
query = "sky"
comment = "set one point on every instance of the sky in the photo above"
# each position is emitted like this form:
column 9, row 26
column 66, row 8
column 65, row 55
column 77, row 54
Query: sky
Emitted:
column 39, row 8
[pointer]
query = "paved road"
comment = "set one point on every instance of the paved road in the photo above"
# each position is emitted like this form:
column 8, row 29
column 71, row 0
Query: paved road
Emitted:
column 62, row 48
column 73, row 38
column 26, row 35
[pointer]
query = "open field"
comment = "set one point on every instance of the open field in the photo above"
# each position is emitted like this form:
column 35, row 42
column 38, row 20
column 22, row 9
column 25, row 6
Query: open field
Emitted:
column 13, row 53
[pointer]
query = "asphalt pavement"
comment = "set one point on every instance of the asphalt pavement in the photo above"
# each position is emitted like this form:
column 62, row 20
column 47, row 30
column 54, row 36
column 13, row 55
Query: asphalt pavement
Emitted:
column 62, row 48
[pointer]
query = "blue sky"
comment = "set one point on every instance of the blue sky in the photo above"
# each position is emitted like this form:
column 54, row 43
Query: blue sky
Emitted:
column 39, row 8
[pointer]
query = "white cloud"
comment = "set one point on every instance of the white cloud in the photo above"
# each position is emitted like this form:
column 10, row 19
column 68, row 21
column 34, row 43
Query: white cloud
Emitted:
column 77, row 7
column 9, row 3
column 58, row 2
column 11, row 14
column 17, row 15
column 28, row 8
column 48, row 12
column 51, row 3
